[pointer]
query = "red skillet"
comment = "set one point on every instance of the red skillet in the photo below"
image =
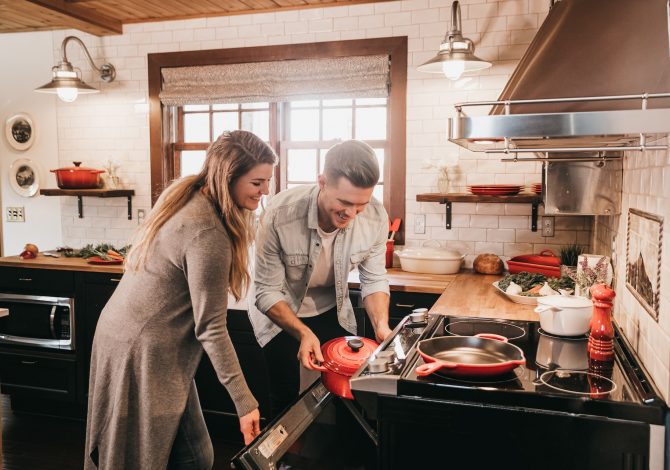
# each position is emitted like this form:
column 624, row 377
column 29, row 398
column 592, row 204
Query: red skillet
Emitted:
column 479, row 355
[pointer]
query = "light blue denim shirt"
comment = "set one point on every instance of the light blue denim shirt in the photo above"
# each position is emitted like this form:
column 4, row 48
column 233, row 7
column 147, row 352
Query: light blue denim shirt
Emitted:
column 288, row 246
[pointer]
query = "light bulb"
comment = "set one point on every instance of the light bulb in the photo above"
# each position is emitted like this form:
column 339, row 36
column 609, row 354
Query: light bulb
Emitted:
column 68, row 94
column 453, row 69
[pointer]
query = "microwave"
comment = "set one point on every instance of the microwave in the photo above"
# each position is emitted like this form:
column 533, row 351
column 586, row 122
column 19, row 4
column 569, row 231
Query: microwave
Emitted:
column 37, row 321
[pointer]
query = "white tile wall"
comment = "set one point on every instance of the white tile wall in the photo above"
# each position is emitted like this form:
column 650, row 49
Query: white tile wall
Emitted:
column 646, row 187
column 114, row 124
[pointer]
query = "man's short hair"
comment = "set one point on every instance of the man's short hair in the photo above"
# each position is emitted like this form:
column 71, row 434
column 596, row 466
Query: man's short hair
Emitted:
column 354, row 160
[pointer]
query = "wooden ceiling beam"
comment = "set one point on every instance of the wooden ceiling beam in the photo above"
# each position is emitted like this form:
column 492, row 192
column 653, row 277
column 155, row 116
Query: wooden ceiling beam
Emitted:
column 81, row 18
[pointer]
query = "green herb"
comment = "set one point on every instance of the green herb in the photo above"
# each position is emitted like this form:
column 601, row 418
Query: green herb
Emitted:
column 564, row 282
column 523, row 279
column 101, row 250
column 570, row 254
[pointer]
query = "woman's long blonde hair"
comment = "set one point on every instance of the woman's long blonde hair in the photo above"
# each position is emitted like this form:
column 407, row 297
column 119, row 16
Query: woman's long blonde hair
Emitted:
column 232, row 155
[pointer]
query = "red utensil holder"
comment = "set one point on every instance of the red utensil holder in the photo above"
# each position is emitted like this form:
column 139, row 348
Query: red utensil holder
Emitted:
column 389, row 253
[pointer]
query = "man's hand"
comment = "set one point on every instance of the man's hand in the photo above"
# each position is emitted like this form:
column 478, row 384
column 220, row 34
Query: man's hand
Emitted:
column 250, row 425
column 310, row 350
column 382, row 332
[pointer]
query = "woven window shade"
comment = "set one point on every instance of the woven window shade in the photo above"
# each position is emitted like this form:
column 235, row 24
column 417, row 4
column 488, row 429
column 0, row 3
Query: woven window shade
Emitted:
column 277, row 81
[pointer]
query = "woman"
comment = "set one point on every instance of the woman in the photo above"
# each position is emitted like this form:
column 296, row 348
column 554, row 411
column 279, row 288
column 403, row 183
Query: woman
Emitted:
column 143, row 409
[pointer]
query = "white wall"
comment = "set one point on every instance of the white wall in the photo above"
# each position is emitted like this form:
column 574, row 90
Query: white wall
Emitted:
column 646, row 187
column 114, row 123
column 28, row 59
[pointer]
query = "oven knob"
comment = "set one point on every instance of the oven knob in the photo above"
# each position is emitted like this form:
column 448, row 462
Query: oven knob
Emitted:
column 377, row 366
column 389, row 356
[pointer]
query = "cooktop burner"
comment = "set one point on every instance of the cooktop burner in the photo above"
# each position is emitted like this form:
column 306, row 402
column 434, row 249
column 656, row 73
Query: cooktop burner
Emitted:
column 578, row 382
column 564, row 338
column 473, row 327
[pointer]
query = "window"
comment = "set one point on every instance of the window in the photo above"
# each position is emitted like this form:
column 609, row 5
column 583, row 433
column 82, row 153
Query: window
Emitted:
column 300, row 131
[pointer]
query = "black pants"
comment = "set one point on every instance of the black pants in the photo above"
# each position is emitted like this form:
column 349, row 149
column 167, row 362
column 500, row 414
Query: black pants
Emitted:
column 281, row 356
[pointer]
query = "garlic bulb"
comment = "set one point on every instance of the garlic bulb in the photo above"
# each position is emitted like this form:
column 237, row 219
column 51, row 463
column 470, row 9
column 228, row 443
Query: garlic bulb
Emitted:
column 514, row 289
column 546, row 290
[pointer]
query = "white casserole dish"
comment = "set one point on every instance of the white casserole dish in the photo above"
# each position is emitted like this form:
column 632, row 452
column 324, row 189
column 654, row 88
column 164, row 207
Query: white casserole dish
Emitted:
column 430, row 260
column 564, row 315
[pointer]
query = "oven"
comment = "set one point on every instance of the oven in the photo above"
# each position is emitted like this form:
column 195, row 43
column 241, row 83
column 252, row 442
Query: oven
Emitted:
column 557, row 411
column 37, row 321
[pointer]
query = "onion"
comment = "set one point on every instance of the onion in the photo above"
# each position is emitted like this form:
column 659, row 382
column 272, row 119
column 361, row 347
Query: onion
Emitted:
column 31, row 248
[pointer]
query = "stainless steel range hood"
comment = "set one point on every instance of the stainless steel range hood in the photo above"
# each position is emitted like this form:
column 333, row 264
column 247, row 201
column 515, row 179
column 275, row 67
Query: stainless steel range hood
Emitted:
column 596, row 77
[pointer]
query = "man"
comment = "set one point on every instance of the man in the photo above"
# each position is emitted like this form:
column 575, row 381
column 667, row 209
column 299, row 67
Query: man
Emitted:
column 309, row 240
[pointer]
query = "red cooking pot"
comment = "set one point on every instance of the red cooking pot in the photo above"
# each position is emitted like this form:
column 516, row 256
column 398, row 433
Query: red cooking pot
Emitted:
column 484, row 354
column 342, row 357
column 77, row 177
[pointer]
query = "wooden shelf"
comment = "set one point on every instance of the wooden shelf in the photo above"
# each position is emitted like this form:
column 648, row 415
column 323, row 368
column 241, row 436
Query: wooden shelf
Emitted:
column 534, row 199
column 79, row 193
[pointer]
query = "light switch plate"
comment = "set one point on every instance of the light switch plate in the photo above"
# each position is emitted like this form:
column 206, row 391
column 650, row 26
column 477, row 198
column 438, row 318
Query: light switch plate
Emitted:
column 547, row 226
column 420, row 223
column 16, row 214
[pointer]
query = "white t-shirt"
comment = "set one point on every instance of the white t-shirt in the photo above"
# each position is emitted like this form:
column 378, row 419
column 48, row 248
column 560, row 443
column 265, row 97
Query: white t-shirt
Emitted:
column 320, row 295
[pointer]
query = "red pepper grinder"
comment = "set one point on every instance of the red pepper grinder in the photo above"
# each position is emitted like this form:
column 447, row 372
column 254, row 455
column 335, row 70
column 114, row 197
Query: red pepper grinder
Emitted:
column 601, row 338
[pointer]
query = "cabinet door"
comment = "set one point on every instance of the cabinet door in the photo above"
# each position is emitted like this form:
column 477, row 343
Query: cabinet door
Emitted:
column 93, row 292
column 38, row 376
column 402, row 304
column 37, row 281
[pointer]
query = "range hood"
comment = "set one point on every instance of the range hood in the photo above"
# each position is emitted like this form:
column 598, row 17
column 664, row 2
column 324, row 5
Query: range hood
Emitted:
column 596, row 79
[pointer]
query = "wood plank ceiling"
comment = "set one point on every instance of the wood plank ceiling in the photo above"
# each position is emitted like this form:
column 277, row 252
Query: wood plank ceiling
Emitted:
column 107, row 17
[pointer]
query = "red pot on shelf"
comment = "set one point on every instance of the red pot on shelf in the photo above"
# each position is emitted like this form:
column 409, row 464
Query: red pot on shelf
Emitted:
column 342, row 358
column 78, row 177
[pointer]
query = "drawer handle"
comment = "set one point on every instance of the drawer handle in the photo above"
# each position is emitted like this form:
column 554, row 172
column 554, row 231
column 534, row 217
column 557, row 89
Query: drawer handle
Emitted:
column 25, row 279
column 113, row 279
column 404, row 305
column 29, row 363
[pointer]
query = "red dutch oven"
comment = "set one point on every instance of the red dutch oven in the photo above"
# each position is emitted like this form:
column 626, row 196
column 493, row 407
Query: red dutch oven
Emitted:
column 342, row 357
column 77, row 177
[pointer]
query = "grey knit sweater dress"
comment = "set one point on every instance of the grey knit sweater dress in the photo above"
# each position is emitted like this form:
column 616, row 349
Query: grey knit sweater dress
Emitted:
column 150, row 338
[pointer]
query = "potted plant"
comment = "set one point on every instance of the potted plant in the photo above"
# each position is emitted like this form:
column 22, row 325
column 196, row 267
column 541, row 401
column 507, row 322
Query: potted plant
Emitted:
column 569, row 257
column 591, row 269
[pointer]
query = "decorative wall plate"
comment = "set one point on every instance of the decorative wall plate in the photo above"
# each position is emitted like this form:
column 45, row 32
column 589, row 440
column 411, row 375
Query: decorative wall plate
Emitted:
column 24, row 177
column 20, row 131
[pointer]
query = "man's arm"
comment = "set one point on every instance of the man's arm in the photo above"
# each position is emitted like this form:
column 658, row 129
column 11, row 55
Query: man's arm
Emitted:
column 374, row 283
column 310, row 347
column 377, row 306
column 268, row 280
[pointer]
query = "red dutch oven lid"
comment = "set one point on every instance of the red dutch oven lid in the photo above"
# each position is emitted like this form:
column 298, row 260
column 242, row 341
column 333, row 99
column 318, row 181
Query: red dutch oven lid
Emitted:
column 78, row 168
column 345, row 355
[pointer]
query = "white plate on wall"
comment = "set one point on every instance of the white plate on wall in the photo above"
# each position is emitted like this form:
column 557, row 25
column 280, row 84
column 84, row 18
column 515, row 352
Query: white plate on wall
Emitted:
column 519, row 299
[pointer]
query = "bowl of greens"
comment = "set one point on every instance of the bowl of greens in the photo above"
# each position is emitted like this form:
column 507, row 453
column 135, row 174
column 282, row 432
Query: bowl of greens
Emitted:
column 525, row 287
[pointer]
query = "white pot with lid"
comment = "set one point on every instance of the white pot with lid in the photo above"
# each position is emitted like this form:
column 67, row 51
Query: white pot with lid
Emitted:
column 430, row 260
column 564, row 315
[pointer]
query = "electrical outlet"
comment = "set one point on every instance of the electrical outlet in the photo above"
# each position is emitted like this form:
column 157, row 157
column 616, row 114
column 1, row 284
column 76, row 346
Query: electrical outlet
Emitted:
column 420, row 223
column 140, row 216
column 16, row 214
column 547, row 226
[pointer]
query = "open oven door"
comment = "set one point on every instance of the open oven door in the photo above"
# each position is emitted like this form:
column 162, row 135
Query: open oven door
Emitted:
column 319, row 430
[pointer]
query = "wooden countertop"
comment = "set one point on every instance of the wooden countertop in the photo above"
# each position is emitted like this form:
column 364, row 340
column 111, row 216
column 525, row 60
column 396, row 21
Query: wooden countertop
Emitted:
column 403, row 281
column 464, row 294
column 59, row 264
column 472, row 295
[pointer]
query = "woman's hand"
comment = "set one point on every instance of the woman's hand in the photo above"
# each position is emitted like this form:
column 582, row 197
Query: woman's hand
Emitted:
column 250, row 425
column 310, row 350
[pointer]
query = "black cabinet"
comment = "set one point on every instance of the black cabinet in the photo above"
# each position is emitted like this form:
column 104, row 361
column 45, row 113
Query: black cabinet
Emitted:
column 37, row 281
column 38, row 375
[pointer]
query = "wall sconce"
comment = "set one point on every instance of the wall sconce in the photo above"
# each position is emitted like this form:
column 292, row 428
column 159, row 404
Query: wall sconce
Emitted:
column 66, row 81
column 457, row 54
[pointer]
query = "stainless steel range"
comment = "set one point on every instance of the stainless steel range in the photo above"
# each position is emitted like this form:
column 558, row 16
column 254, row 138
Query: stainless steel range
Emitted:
column 558, row 411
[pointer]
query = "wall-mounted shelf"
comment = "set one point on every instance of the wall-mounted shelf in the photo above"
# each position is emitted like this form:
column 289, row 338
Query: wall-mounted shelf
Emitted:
column 79, row 193
column 447, row 199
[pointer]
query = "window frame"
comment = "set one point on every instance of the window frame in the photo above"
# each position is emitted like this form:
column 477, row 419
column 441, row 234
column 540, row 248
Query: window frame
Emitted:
column 162, row 125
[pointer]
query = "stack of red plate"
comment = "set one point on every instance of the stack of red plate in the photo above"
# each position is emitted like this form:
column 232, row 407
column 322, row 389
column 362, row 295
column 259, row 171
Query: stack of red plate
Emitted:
column 494, row 189
column 536, row 188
